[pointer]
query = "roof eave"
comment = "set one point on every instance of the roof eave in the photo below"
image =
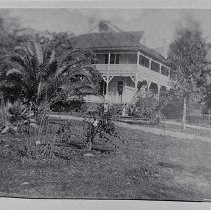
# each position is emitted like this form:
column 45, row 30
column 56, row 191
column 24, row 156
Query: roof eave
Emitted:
column 134, row 48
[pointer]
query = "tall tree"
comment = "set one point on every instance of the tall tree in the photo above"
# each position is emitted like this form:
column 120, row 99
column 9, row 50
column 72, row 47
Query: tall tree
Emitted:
column 41, row 71
column 187, row 56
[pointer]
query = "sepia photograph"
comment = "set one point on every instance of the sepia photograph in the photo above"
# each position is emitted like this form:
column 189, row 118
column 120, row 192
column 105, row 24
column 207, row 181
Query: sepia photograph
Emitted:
column 105, row 103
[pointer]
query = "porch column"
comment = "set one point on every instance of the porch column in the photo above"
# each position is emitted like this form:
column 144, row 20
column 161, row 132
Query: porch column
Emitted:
column 148, row 85
column 150, row 62
column 107, row 75
column 138, row 55
column 159, row 86
column 136, row 77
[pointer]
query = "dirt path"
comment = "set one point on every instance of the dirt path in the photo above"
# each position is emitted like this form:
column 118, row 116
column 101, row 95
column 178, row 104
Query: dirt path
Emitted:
column 157, row 131
column 164, row 132
column 187, row 125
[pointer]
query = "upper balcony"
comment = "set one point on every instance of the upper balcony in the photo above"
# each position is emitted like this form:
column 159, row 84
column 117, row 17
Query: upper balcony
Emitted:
column 141, row 66
column 147, row 74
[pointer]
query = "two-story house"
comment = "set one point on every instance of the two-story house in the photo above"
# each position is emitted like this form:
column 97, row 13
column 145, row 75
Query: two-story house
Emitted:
column 125, row 63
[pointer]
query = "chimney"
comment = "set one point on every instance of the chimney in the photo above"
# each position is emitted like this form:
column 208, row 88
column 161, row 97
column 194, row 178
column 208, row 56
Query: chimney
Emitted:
column 103, row 27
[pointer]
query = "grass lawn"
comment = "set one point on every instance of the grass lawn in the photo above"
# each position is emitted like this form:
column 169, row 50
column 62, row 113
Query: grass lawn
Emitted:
column 147, row 167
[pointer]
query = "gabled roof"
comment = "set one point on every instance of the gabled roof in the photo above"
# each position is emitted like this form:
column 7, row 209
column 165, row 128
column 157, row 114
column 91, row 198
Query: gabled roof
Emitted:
column 116, row 41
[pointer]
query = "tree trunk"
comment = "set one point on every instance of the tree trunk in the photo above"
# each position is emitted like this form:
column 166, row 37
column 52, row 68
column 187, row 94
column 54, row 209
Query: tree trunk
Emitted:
column 89, row 145
column 184, row 112
column 3, row 109
column 38, row 92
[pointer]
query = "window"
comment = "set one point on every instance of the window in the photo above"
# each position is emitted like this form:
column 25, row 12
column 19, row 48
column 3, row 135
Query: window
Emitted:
column 143, row 61
column 114, row 59
column 124, row 58
column 132, row 58
column 117, row 59
column 106, row 58
column 164, row 71
column 155, row 66
column 102, row 58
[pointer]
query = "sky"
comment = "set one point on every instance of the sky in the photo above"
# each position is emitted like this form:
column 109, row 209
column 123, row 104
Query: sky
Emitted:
column 158, row 24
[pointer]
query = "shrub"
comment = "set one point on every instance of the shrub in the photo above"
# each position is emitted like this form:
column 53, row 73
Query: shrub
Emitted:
column 16, row 116
column 38, row 144
column 69, row 132
column 72, row 105
column 100, row 124
column 148, row 107
column 40, row 138
column 117, row 109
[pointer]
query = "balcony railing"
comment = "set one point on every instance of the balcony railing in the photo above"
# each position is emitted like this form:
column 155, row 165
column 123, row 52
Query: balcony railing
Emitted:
column 147, row 74
column 143, row 73
column 117, row 69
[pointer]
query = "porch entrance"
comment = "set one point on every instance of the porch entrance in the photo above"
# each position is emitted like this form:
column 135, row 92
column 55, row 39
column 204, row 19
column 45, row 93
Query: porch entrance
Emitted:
column 119, row 89
column 120, row 86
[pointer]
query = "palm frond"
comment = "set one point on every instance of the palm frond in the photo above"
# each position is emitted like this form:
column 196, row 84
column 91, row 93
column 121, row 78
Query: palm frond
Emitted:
column 43, row 72
column 24, row 51
column 13, row 71
column 37, row 52
column 20, row 61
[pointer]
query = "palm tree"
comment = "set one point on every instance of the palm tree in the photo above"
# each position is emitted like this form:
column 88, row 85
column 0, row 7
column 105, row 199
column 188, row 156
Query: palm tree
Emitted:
column 41, row 72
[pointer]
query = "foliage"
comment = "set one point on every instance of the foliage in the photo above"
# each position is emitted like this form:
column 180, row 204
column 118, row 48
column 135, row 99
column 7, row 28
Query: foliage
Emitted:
column 11, row 35
column 207, row 98
column 173, row 108
column 69, row 133
column 187, row 56
column 44, row 70
column 44, row 67
column 117, row 109
column 42, row 73
column 101, row 124
column 72, row 105
column 38, row 143
column 17, row 116
column 61, row 102
column 148, row 107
